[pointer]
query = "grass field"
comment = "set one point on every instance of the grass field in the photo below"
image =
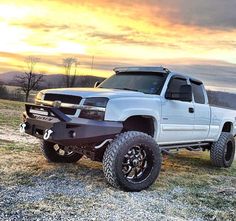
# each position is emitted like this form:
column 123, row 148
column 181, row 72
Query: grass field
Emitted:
column 188, row 188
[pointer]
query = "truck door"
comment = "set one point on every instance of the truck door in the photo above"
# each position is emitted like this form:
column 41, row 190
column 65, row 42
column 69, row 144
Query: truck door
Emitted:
column 177, row 121
column 202, row 113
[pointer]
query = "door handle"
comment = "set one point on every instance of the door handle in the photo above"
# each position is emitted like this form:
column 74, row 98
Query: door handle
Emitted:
column 191, row 110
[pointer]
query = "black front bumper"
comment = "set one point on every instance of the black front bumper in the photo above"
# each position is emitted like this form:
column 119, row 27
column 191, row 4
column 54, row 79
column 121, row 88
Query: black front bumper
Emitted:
column 67, row 131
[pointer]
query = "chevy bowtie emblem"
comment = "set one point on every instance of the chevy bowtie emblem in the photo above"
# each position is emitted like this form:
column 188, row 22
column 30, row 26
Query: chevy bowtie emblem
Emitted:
column 57, row 104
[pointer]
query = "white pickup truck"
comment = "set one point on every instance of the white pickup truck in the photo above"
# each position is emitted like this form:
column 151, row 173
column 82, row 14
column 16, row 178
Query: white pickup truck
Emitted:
column 128, row 120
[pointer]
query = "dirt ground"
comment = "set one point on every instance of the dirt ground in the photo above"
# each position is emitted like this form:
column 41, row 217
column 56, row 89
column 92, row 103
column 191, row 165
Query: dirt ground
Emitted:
column 188, row 188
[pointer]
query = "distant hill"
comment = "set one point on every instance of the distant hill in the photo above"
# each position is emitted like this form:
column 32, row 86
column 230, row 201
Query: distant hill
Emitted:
column 52, row 80
column 224, row 99
column 7, row 77
column 216, row 98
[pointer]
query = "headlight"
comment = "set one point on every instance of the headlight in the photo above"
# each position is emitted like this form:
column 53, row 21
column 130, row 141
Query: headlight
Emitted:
column 39, row 97
column 96, row 101
column 94, row 114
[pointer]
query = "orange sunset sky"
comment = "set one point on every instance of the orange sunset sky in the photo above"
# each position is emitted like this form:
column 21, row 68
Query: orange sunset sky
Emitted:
column 196, row 37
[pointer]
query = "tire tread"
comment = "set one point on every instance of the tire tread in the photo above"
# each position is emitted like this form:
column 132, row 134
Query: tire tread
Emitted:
column 112, row 151
column 218, row 148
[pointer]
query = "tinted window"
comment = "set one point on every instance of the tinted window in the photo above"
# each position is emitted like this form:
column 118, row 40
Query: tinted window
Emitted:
column 143, row 81
column 198, row 93
column 175, row 84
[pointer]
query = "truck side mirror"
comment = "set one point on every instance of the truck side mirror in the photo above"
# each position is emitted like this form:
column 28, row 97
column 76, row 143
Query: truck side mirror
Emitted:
column 184, row 94
column 97, row 83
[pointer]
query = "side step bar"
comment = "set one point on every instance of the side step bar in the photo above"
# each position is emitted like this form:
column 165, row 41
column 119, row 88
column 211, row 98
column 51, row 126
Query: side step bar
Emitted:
column 190, row 146
column 179, row 146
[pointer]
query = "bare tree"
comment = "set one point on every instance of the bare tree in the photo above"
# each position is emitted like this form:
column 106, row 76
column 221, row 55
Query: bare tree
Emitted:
column 70, row 65
column 29, row 80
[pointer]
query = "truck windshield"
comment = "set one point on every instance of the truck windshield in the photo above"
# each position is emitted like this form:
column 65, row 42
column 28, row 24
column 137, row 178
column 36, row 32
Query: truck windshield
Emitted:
column 148, row 83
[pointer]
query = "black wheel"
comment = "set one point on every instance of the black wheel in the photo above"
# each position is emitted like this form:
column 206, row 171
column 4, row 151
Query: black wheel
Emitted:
column 58, row 154
column 223, row 150
column 132, row 161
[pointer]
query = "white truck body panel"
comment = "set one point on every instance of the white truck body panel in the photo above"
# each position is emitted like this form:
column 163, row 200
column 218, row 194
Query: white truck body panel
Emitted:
column 173, row 122
column 177, row 124
column 218, row 118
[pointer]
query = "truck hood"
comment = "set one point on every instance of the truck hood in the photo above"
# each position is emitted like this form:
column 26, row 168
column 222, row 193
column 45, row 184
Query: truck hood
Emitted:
column 95, row 92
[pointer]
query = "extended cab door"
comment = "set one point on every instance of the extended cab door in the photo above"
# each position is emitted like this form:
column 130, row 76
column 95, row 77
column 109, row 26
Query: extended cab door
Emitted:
column 177, row 120
column 202, row 113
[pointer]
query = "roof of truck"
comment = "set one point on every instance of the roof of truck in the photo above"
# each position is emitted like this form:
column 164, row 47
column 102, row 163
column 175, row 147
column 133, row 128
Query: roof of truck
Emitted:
column 142, row 69
column 157, row 69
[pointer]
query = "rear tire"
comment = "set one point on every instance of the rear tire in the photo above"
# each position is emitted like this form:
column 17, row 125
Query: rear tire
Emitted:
column 132, row 161
column 223, row 151
column 58, row 154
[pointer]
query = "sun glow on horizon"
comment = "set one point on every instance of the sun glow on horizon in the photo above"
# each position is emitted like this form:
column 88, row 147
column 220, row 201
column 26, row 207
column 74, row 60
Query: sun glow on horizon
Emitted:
column 70, row 47
column 12, row 12
column 113, row 33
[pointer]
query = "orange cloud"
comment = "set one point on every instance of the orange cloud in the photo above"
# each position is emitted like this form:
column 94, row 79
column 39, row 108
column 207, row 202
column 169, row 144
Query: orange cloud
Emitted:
column 115, row 33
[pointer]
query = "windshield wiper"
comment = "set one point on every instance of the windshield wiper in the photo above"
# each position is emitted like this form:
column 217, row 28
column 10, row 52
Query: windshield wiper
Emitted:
column 127, row 89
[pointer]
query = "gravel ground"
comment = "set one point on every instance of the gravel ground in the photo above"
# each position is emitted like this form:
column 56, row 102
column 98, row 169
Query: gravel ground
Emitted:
column 31, row 188
column 53, row 198
column 14, row 135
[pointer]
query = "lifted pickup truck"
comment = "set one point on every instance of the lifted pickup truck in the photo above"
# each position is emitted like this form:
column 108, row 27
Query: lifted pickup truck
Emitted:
column 128, row 121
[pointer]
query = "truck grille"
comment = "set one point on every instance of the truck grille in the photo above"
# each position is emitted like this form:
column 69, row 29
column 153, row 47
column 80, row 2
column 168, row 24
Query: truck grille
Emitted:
column 64, row 99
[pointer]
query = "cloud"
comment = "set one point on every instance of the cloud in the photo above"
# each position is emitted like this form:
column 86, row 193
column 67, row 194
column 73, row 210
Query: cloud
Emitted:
column 16, row 56
column 131, row 37
column 215, row 14
column 121, row 33
column 39, row 25
column 220, row 75
column 213, row 73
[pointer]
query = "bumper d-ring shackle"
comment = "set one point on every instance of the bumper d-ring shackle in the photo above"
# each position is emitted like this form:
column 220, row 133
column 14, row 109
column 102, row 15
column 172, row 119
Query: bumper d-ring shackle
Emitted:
column 22, row 128
column 47, row 134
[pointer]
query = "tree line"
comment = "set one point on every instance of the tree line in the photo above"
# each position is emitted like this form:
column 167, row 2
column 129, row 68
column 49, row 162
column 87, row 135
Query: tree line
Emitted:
column 31, row 80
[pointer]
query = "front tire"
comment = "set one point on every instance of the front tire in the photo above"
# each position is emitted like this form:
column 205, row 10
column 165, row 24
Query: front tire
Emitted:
column 132, row 161
column 58, row 154
column 223, row 151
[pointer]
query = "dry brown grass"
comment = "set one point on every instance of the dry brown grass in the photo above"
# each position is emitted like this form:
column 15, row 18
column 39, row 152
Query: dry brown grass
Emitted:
column 188, row 186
